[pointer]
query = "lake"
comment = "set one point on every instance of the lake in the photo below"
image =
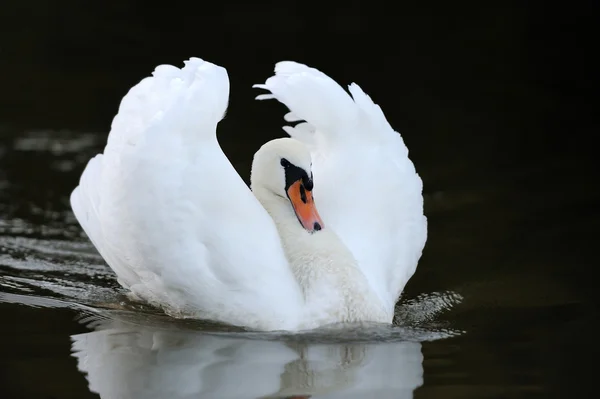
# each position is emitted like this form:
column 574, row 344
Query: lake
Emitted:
column 502, row 303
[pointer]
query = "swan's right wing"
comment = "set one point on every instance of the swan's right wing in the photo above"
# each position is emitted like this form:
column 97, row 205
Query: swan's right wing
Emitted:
column 366, row 187
column 166, row 209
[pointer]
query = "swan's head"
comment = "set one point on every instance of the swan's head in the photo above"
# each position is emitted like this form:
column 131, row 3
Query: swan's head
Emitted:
column 282, row 167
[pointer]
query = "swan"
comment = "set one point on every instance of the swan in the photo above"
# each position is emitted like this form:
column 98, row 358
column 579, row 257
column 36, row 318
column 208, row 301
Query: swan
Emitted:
column 330, row 230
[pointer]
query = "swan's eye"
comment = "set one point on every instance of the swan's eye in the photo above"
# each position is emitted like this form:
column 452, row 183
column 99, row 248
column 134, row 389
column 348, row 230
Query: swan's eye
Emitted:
column 285, row 163
column 308, row 183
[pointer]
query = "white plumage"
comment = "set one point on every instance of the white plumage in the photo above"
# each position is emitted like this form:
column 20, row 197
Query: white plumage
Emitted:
column 170, row 215
column 366, row 186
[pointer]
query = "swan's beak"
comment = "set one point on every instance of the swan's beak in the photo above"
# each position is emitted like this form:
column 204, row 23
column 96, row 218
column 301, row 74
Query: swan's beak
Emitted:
column 304, row 206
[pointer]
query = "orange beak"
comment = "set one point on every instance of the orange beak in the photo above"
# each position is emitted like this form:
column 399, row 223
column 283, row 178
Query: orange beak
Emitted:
column 304, row 206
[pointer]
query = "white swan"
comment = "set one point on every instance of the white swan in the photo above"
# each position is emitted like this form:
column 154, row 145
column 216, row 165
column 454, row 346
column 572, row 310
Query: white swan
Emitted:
column 171, row 216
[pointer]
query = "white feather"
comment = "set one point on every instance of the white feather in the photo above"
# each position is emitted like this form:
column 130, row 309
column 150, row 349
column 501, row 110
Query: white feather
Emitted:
column 366, row 187
column 177, row 224
column 171, row 216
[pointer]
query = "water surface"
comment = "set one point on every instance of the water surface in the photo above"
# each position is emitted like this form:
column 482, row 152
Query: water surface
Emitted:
column 489, row 325
column 490, row 99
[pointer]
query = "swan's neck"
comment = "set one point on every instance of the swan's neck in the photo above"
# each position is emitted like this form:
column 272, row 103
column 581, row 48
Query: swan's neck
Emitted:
column 334, row 287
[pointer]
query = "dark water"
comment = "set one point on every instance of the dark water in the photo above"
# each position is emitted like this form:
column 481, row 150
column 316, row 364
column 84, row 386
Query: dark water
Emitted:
column 491, row 103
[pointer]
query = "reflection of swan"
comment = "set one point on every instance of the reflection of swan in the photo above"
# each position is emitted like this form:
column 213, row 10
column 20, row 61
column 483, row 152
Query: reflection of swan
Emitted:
column 177, row 224
column 124, row 360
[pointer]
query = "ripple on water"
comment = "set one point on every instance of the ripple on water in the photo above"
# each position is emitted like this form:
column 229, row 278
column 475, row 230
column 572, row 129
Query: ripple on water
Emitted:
column 57, row 142
column 52, row 263
column 55, row 272
column 70, row 270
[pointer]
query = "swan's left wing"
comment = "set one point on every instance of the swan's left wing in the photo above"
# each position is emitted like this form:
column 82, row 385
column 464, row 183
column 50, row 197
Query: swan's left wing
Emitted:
column 366, row 187
column 170, row 215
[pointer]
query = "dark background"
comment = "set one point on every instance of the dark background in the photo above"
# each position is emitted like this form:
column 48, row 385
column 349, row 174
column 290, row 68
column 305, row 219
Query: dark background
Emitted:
column 493, row 99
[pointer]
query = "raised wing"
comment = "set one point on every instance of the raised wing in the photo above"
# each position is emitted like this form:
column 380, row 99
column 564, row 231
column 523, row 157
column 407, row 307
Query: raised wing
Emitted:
column 366, row 187
column 171, row 216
